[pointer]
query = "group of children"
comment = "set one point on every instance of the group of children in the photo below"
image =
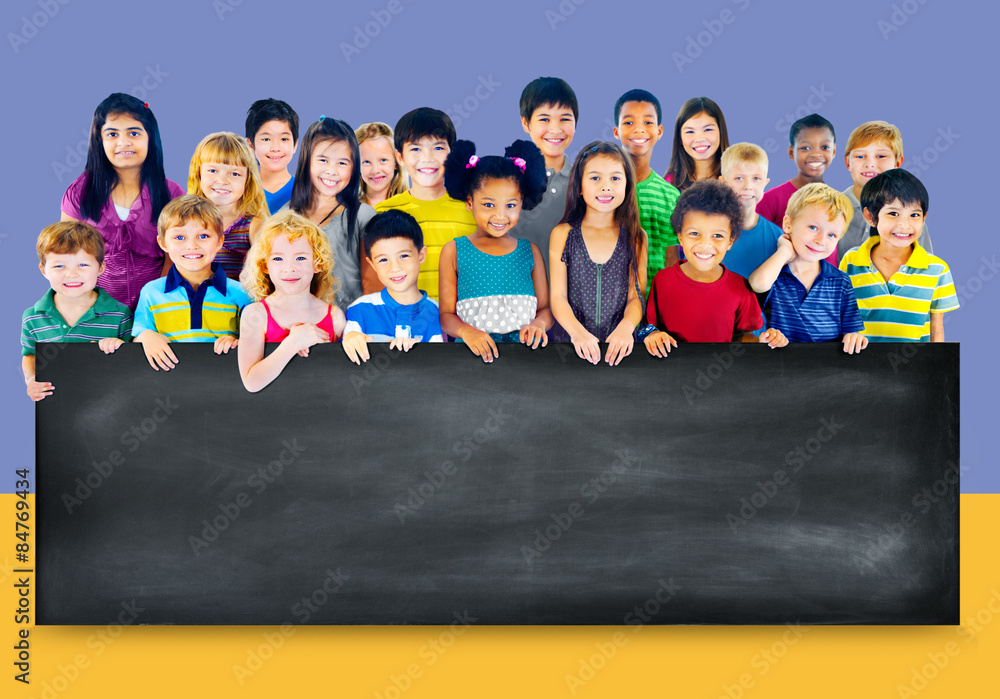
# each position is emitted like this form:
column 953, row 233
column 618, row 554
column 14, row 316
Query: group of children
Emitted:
column 407, row 235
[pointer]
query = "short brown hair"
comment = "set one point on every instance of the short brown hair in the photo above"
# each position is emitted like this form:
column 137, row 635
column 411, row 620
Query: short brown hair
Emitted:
column 746, row 154
column 190, row 206
column 876, row 132
column 69, row 237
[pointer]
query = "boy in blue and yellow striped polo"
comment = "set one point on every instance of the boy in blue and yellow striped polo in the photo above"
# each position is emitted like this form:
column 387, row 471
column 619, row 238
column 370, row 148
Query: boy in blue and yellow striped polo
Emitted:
column 903, row 290
column 71, row 257
column 195, row 301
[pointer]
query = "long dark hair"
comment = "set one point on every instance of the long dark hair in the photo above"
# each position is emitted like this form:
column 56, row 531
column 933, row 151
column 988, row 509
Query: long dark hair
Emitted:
column 681, row 166
column 101, row 174
column 626, row 215
column 322, row 131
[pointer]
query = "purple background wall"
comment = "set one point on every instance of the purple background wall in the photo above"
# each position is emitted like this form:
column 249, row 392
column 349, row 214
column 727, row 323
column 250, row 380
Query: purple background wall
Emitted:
column 920, row 65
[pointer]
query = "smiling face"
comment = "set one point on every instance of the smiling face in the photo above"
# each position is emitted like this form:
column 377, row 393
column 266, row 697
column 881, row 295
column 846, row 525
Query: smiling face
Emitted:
column 378, row 164
column 814, row 236
column 397, row 262
column 899, row 225
column 638, row 130
column 813, row 151
column 72, row 275
column 125, row 140
column 603, row 185
column 748, row 181
column 705, row 239
column 866, row 162
column 191, row 248
column 424, row 161
column 496, row 206
column 291, row 265
column 222, row 184
column 551, row 128
column 273, row 145
column 700, row 136
column 330, row 167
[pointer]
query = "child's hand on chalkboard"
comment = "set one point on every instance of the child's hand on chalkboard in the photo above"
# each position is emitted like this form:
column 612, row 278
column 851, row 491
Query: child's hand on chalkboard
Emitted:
column 854, row 343
column 403, row 343
column 587, row 347
column 532, row 335
column 39, row 389
column 481, row 344
column 774, row 338
column 157, row 349
column 659, row 343
column 110, row 344
column 356, row 346
column 620, row 343
column 225, row 343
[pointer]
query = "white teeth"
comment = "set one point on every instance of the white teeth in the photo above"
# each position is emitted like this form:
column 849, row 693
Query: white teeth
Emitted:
column 703, row 256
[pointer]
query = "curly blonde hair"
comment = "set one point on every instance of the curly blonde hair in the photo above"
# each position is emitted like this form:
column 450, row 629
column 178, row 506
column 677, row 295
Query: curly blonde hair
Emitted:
column 367, row 132
column 227, row 148
column 254, row 277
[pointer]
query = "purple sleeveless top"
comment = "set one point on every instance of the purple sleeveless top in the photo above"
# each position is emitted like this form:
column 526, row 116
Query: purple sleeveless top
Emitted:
column 235, row 246
column 597, row 293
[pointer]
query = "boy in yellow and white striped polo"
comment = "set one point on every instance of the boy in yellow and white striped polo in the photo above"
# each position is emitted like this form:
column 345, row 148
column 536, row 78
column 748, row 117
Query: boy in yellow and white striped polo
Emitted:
column 902, row 290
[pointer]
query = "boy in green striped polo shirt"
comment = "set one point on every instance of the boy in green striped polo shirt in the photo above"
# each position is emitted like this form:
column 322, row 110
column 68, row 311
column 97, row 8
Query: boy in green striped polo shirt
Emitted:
column 638, row 117
column 71, row 257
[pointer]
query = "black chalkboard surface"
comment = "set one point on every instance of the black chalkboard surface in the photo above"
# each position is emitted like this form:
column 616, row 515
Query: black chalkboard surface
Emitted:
column 725, row 484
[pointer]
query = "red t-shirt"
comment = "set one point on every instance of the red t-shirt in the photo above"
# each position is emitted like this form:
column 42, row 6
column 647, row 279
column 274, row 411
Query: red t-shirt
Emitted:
column 774, row 202
column 693, row 311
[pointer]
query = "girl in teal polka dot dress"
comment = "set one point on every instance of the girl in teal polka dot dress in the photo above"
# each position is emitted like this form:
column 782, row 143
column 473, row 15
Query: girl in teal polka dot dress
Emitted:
column 493, row 286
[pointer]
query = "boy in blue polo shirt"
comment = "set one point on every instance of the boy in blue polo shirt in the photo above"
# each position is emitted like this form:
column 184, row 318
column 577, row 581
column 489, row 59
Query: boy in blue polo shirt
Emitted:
column 75, row 309
column 195, row 301
column 401, row 314
column 809, row 299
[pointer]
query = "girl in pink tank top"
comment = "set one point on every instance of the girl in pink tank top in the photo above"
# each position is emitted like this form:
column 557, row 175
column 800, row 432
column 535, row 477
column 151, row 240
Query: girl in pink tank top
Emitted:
column 287, row 272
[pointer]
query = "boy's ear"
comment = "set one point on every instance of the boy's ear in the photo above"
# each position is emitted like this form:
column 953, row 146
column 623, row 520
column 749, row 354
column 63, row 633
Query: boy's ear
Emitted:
column 100, row 269
column 614, row 130
column 422, row 255
column 791, row 152
column 721, row 178
column 524, row 125
column 41, row 268
column 868, row 217
column 249, row 142
column 159, row 241
column 899, row 163
column 786, row 224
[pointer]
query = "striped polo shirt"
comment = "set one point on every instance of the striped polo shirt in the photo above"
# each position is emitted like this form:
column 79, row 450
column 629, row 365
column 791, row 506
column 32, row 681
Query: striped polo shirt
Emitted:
column 171, row 307
column 827, row 311
column 657, row 199
column 43, row 322
column 899, row 310
column 441, row 220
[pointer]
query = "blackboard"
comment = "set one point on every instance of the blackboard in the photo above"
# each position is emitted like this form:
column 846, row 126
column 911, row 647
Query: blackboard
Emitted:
column 726, row 484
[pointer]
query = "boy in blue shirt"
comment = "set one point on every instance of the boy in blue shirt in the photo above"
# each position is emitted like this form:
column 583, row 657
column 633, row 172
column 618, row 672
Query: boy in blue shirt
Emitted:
column 809, row 299
column 195, row 301
column 400, row 314
column 272, row 130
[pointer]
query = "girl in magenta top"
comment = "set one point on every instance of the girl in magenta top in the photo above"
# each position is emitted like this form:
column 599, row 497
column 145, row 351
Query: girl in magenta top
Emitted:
column 121, row 193
column 288, row 271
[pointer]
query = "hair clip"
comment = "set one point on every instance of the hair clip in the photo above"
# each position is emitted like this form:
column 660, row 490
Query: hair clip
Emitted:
column 472, row 162
column 322, row 117
column 594, row 149
column 520, row 163
column 146, row 105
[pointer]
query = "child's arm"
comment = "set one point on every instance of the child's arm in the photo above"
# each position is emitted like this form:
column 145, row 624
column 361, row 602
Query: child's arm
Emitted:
column 255, row 225
column 772, row 336
column 157, row 349
column 672, row 257
column 622, row 339
column 763, row 278
column 854, row 342
column 937, row 327
column 534, row 332
column 479, row 342
column 657, row 342
column 584, row 342
column 36, row 390
column 256, row 370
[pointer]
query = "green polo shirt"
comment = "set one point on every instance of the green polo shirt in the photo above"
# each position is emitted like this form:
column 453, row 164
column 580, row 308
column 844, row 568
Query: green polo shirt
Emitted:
column 43, row 323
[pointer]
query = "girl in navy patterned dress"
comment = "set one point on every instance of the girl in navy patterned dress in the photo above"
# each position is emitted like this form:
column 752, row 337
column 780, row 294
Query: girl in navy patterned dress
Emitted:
column 597, row 256
column 493, row 286
column 224, row 171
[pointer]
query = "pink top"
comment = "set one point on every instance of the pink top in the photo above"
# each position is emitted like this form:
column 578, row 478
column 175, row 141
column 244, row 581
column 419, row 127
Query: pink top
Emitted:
column 276, row 333
column 774, row 202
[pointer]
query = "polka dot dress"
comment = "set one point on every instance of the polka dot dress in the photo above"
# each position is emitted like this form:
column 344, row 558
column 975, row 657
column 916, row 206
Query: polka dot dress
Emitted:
column 495, row 292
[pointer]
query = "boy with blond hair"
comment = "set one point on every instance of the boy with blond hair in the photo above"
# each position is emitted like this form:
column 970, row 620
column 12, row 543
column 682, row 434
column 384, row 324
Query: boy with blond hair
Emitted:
column 809, row 299
column 872, row 148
